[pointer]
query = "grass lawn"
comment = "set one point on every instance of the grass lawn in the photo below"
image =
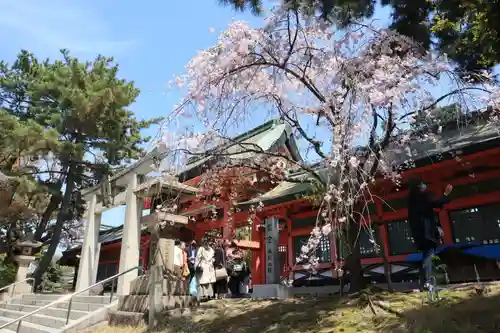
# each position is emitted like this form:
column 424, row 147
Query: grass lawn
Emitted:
column 466, row 310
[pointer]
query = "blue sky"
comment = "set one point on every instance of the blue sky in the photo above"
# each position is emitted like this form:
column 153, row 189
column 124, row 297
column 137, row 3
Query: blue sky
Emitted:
column 152, row 41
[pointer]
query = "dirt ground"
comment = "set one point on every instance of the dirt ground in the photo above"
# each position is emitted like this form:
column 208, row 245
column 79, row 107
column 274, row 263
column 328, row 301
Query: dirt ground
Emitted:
column 471, row 309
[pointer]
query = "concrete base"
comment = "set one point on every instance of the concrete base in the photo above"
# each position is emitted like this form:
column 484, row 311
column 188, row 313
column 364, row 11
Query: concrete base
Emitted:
column 263, row 291
column 123, row 318
column 170, row 286
column 134, row 319
column 134, row 309
column 139, row 303
column 322, row 291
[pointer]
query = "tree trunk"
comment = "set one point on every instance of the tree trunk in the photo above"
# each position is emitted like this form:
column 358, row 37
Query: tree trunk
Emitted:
column 357, row 280
column 384, row 255
column 10, row 235
column 51, row 207
column 62, row 217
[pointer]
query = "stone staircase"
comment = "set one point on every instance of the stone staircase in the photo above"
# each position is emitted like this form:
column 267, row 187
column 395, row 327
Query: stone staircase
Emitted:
column 86, row 311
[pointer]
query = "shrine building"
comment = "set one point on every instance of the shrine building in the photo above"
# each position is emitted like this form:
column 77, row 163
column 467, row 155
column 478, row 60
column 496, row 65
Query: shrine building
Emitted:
column 468, row 157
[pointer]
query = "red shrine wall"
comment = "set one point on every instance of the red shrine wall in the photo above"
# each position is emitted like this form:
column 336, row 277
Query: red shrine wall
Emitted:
column 109, row 258
column 294, row 216
column 461, row 175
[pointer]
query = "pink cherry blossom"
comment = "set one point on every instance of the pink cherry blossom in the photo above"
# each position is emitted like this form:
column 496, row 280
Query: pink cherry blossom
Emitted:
column 337, row 90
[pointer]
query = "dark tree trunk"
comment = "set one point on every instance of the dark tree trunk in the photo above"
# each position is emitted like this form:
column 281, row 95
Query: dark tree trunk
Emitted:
column 10, row 246
column 357, row 280
column 62, row 217
column 51, row 207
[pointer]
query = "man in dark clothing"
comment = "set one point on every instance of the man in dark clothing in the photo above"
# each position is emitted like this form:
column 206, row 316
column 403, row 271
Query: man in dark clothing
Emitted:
column 423, row 225
column 191, row 259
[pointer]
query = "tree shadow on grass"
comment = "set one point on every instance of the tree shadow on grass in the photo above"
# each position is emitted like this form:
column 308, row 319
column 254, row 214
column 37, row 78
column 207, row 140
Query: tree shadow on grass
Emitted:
column 453, row 314
column 252, row 316
column 457, row 312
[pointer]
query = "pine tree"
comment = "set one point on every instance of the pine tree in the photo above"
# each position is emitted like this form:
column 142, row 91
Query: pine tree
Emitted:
column 468, row 31
column 85, row 103
column 22, row 198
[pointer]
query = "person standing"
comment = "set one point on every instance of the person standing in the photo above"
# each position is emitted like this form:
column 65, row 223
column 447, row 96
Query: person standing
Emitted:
column 205, row 270
column 192, row 249
column 220, row 285
column 425, row 230
column 237, row 269
column 179, row 265
column 185, row 267
column 193, row 283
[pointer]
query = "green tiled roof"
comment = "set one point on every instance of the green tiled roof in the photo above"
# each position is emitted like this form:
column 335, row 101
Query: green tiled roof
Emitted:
column 288, row 190
column 199, row 210
column 266, row 137
column 110, row 236
column 452, row 140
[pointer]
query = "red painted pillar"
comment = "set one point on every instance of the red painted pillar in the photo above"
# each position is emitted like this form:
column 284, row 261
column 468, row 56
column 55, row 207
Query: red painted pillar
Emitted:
column 289, row 248
column 444, row 217
column 257, row 255
column 200, row 232
column 384, row 236
column 333, row 252
column 382, row 227
column 227, row 226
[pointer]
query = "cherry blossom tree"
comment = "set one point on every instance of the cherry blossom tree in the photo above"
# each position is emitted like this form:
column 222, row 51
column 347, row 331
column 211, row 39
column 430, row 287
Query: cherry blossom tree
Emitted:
column 350, row 96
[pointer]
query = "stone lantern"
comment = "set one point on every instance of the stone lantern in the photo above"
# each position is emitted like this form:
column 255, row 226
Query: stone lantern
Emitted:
column 24, row 258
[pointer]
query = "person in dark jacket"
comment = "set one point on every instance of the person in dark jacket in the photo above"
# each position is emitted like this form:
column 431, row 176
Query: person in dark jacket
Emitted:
column 425, row 230
column 237, row 269
column 220, row 286
column 191, row 254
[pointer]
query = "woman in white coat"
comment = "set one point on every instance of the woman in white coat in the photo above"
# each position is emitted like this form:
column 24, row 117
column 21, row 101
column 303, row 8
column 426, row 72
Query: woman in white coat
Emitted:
column 205, row 271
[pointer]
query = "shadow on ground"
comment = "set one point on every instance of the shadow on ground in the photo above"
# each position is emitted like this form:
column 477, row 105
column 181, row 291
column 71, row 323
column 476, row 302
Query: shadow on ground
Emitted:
column 457, row 314
column 297, row 315
column 460, row 311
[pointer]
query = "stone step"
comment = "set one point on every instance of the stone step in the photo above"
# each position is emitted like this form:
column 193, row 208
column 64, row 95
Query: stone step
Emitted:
column 39, row 319
column 79, row 299
column 26, row 327
column 124, row 318
column 88, row 307
column 53, row 312
column 90, row 319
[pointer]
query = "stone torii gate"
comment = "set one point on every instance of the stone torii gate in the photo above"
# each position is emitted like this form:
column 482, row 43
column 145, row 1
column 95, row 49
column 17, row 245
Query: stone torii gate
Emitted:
column 126, row 188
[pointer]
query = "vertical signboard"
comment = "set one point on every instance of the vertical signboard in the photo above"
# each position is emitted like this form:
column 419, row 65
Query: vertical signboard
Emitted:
column 272, row 253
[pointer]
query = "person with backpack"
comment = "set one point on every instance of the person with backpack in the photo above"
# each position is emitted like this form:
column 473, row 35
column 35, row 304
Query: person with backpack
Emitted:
column 237, row 269
column 221, row 275
column 191, row 260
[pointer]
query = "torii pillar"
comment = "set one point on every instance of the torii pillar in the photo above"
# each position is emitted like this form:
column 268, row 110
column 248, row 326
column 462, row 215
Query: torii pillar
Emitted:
column 129, row 256
column 87, row 269
column 129, row 253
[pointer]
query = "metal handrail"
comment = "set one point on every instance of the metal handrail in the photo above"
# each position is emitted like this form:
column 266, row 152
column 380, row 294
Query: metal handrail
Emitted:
column 70, row 299
column 14, row 285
